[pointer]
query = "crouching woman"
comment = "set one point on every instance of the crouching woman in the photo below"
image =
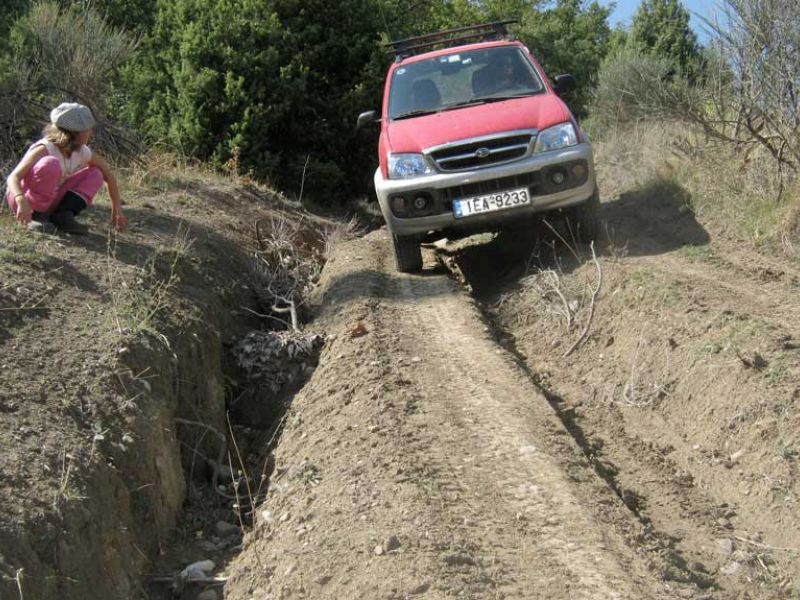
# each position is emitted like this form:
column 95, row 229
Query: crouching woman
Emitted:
column 59, row 176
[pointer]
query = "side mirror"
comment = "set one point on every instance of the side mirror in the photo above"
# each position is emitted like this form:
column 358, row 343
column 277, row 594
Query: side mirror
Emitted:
column 367, row 118
column 564, row 84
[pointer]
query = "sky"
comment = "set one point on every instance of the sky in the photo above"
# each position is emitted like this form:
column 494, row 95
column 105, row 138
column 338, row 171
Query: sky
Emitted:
column 626, row 8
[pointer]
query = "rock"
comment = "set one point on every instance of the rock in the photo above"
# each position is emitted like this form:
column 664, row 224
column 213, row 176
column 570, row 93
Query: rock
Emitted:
column 725, row 546
column 420, row 589
column 416, row 359
column 731, row 568
column 198, row 571
column 457, row 559
column 742, row 556
column 391, row 544
column 224, row 529
column 378, row 550
column 323, row 579
column 208, row 595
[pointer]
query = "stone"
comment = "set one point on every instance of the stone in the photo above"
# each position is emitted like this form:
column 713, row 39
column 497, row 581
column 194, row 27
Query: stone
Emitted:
column 323, row 579
column 457, row 559
column 378, row 550
column 725, row 546
column 198, row 571
column 224, row 529
column 391, row 544
column 419, row 589
column 731, row 568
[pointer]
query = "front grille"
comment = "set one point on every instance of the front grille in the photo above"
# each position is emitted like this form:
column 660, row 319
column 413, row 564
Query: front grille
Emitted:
column 530, row 180
column 482, row 153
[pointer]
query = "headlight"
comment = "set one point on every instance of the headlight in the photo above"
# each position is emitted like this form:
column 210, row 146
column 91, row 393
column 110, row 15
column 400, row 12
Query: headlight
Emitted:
column 406, row 166
column 558, row 136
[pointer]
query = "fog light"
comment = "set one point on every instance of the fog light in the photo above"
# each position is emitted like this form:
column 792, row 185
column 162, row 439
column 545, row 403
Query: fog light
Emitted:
column 557, row 177
column 398, row 204
column 420, row 202
column 579, row 170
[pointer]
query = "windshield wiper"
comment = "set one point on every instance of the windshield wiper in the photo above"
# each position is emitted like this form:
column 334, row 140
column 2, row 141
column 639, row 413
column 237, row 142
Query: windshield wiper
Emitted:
column 488, row 99
column 416, row 113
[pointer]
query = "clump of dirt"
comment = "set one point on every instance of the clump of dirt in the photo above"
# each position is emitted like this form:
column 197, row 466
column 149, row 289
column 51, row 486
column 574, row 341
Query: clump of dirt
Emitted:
column 684, row 392
column 115, row 374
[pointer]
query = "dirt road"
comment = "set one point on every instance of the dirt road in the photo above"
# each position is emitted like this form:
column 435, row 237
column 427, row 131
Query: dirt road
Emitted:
column 421, row 459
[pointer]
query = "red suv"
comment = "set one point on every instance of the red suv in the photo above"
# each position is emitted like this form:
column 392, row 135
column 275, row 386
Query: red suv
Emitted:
column 474, row 137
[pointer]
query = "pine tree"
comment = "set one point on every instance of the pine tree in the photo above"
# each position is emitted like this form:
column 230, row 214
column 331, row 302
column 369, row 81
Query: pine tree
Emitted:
column 661, row 27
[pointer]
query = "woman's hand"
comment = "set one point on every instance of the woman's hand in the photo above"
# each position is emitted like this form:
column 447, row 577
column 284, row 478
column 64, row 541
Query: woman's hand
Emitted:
column 119, row 221
column 24, row 211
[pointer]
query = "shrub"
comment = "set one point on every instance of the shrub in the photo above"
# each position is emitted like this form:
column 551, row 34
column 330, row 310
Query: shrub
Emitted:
column 630, row 88
column 59, row 55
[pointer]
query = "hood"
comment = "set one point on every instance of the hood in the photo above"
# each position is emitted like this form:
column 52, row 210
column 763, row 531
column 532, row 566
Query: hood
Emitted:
column 532, row 112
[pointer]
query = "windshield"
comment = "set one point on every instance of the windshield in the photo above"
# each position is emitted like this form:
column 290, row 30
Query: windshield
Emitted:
column 461, row 79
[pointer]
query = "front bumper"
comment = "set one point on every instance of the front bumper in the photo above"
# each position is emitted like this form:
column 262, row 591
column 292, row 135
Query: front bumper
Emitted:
column 527, row 167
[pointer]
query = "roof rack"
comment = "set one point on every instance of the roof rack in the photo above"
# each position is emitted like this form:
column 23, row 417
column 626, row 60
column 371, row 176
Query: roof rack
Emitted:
column 497, row 30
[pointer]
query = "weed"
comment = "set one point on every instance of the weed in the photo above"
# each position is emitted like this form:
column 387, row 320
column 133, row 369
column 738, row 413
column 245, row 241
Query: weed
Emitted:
column 20, row 246
column 308, row 474
column 775, row 373
column 653, row 288
column 697, row 253
column 425, row 477
column 709, row 348
column 788, row 451
column 138, row 304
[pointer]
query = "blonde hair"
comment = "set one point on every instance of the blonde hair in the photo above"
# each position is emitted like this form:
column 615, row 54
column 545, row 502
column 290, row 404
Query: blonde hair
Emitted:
column 66, row 140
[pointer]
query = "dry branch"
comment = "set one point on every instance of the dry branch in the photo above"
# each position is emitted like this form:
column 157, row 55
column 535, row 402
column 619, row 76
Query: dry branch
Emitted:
column 595, row 290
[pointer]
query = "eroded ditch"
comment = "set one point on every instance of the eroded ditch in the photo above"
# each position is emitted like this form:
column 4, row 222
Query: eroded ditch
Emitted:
column 227, row 466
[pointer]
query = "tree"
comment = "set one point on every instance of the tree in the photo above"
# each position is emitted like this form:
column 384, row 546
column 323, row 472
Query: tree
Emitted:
column 273, row 84
column 570, row 37
column 661, row 27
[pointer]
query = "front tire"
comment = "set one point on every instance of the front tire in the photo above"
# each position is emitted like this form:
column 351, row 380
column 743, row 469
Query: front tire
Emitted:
column 585, row 219
column 407, row 254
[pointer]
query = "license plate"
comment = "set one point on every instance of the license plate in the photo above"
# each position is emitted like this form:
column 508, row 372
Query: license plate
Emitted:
column 477, row 205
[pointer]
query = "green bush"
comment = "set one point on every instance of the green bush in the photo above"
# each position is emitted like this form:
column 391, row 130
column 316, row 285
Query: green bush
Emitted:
column 631, row 87
column 60, row 54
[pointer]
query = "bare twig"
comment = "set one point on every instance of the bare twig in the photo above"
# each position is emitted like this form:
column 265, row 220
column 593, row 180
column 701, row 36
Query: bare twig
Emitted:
column 244, row 470
column 303, row 179
column 565, row 242
column 223, row 447
column 764, row 546
column 291, row 309
column 595, row 291
column 263, row 316
column 556, row 287
column 276, row 429
column 18, row 581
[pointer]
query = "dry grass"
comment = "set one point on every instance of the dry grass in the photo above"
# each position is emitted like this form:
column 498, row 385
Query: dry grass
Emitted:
column 744, row 196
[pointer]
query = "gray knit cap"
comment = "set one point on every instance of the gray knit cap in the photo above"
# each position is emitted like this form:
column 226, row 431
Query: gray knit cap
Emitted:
column 71, row 116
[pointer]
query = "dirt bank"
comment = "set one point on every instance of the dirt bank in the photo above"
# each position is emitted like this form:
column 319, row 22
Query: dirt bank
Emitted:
column 105, row 342
column 420, row 459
